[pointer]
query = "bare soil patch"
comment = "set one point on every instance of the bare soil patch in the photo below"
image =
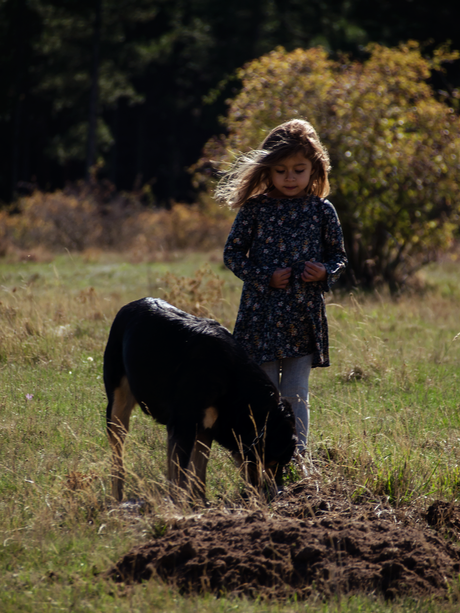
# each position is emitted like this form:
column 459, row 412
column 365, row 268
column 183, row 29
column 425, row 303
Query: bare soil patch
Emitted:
column 309, row 540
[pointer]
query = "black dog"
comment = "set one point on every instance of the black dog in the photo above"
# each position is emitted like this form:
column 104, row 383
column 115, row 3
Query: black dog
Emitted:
column 191, row 375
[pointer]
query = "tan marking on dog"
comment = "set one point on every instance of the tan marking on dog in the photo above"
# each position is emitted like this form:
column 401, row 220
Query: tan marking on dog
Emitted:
column 210, row 417
column 123, row 404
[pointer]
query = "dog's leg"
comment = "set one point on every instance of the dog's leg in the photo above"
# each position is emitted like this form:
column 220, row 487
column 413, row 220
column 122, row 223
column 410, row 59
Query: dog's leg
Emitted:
column 118, row 415
column 179, row 451
column 196, row 469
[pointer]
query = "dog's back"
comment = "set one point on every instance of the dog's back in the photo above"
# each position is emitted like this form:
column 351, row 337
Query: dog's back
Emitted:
column 167, row 354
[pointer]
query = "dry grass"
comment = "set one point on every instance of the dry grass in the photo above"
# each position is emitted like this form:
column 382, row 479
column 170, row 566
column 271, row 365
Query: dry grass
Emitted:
column 385, row 421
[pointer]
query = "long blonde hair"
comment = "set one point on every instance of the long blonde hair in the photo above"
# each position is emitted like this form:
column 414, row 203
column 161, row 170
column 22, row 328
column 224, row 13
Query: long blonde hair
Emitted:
column 250, row 174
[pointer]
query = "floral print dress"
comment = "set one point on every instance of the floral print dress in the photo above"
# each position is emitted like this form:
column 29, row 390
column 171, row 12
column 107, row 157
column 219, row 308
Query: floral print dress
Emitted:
column 270, row 233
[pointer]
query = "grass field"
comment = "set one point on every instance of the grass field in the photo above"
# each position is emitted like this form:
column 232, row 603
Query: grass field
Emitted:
column 385, row 421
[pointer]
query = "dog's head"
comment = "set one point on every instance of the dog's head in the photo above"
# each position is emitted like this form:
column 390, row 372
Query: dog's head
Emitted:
column 280, row 437
column 272, row 448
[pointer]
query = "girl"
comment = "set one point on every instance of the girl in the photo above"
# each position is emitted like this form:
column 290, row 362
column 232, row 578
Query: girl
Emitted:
column 286, row 244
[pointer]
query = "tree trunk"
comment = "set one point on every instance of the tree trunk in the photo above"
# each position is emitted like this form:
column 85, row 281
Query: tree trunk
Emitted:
column 17, row 124
column 94, row 93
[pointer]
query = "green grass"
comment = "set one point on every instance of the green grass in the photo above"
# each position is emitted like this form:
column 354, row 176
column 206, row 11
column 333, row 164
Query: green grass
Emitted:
column 385, row 418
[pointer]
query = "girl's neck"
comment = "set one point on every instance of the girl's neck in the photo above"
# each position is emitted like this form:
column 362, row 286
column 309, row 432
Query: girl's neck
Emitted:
column 274, row 193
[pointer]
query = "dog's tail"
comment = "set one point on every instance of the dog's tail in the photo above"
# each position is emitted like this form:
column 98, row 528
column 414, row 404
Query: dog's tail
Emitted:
column 114, row 369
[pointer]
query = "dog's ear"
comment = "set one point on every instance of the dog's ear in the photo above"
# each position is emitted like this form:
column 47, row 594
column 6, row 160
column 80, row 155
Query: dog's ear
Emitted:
column 286, row 407
column 281, row 438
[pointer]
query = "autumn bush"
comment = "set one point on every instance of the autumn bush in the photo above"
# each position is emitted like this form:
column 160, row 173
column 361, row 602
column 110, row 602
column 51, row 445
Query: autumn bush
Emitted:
column 79, row 219
column 199, row 295
column 394, row 146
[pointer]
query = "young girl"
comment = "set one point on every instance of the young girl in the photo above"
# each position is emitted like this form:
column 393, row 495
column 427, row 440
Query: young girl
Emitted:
column 286, row 245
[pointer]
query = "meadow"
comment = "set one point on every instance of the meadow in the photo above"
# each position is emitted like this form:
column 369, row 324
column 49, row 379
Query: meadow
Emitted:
column 385, row 425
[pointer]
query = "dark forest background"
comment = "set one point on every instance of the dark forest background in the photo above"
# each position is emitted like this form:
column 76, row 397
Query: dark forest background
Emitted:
column 139, row 85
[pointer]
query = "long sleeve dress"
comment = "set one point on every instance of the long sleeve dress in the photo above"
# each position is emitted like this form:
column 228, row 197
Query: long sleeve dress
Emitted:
column 270, row 233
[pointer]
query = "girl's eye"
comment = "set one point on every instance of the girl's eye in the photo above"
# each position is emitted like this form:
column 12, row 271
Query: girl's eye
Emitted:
column 279, row 172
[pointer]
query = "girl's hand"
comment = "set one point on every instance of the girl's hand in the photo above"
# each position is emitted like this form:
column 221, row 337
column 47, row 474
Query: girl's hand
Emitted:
column 314, row 271
column 280, row 278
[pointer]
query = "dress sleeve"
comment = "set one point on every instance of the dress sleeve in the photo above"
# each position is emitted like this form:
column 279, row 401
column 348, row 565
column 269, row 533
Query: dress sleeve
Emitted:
column 335, row 258
column 237, row 255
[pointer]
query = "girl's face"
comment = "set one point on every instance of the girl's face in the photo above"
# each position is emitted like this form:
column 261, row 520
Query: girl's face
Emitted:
column 291, row 176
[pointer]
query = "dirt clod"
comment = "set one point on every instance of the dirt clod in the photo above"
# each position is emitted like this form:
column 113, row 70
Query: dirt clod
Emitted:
column 299, row 545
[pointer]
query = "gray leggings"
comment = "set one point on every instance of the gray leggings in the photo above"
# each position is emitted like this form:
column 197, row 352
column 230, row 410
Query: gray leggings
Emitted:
column 290, row 375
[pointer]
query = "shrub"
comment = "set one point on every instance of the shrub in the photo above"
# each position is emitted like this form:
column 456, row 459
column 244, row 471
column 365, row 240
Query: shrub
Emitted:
column 395, row 148
column 199, row 295
column 79, row 219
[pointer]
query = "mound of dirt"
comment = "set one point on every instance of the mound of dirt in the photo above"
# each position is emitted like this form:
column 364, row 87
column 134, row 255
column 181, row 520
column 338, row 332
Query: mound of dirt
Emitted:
column 307, row 541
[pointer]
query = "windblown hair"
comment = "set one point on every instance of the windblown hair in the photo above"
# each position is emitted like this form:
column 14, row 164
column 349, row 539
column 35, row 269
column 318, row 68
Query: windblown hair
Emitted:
column 250, row 174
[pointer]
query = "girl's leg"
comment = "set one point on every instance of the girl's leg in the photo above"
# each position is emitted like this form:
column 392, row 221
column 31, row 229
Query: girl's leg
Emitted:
column 273, row 371
column 295, row 373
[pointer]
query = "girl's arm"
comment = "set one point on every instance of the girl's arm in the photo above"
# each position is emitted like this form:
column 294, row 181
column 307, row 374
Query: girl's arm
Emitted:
column 335, row 258
column 238, row 245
